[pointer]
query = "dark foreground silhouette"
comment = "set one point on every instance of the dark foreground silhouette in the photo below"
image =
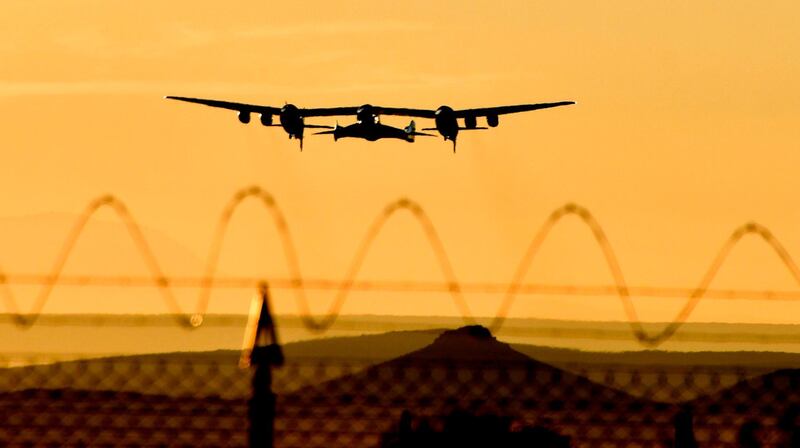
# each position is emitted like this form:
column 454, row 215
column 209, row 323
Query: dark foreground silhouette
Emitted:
column 462, row 429
column 464, row 389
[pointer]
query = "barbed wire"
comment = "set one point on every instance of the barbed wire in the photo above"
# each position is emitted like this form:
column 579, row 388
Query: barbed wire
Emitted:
column 414, row 286
column 342, row 288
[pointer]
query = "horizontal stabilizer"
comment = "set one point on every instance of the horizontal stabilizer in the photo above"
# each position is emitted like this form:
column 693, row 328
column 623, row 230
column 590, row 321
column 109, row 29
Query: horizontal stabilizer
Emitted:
column 318, row 126
column 460, row 129
column 422, row 134
column 324, row 132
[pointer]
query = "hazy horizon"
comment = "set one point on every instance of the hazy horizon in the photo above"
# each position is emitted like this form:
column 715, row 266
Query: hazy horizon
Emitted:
column 131, row 334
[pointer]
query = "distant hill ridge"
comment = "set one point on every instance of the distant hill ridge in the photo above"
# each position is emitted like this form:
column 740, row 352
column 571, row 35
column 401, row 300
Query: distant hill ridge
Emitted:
column 346, row 354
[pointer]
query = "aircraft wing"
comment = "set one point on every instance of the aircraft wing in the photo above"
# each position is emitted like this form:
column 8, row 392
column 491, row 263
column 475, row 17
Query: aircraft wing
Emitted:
column 352, row 110
column 501, row 110
column 481, row 112
column 244, row 107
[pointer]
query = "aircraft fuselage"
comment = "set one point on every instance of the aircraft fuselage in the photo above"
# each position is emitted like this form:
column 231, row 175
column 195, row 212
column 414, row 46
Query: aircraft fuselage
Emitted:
column 371, row 132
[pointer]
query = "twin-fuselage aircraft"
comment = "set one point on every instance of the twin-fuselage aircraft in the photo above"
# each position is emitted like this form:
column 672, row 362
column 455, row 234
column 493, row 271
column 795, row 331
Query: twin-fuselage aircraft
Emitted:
column 368, row 125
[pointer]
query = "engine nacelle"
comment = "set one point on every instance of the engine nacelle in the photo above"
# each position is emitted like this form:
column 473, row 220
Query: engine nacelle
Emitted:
column 266, row 119
column 492, row 120
column 244, row 116
column 470, row 122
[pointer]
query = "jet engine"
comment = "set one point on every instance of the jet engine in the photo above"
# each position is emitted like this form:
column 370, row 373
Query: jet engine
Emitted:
column 266, row 119
column 244, row 117
column 492, row 120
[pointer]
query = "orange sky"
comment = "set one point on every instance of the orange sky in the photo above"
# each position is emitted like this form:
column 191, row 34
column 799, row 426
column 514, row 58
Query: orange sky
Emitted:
column 686, row 127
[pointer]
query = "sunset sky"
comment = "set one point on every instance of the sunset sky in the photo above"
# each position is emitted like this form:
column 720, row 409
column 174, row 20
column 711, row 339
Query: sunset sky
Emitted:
column 686, row 126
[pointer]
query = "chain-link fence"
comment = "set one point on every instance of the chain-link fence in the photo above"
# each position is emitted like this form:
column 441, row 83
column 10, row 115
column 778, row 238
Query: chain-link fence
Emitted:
column 464, row 389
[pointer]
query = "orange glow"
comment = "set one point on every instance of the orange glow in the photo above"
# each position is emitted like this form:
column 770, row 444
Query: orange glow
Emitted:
column 685, row 128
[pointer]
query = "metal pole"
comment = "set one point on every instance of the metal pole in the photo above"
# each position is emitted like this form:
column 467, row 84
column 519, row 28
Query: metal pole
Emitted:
column 264, row 354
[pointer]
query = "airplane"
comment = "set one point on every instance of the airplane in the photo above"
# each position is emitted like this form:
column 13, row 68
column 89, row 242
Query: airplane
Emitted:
column 368, row 125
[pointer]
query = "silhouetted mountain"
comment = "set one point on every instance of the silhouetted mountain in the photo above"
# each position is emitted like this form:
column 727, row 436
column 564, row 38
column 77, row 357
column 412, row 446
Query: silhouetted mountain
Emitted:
column 472, row 343
column 151, row 373
column 374, row 347
column 351, row 354
column 469, row 369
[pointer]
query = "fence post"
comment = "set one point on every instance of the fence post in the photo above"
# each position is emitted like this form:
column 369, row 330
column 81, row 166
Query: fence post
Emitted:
column 261, row 352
